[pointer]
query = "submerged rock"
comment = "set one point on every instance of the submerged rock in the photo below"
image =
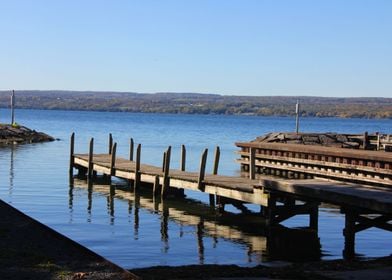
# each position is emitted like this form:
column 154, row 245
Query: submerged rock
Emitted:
column 18, row 134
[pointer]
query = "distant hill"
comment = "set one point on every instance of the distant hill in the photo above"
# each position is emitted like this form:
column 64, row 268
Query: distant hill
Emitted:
column 196, row 103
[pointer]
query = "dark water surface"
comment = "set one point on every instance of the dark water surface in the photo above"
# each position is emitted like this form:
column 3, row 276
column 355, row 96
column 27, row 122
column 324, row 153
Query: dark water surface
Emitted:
column 136, row 231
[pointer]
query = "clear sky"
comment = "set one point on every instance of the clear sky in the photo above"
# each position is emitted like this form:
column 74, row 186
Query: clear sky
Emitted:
column 242, row 47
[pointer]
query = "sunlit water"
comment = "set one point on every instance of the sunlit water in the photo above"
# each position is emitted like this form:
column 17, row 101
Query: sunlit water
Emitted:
column 135, row 231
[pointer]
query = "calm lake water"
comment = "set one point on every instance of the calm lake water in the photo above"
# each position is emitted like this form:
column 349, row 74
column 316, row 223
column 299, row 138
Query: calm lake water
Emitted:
column 136, row 231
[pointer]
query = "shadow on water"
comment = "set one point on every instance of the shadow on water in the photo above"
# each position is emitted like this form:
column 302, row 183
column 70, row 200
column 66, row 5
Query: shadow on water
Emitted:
column 268, row 244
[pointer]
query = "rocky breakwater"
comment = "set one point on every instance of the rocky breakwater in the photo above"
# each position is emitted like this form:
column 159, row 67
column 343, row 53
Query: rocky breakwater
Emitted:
column 18, row 134
column 318, row 139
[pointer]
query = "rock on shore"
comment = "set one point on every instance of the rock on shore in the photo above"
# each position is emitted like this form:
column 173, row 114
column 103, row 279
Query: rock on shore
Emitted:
column 319, row 139
column 18, row 134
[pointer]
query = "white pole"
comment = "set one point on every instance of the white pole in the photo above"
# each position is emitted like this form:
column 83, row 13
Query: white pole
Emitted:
column 13, row 107
column 297, row 108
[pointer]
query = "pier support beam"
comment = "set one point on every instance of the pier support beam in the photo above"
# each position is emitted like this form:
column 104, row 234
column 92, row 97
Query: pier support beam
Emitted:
column 90, row 159
column 131, row 146
column 252, row 163
column 183, row 158
column 71, row 153
column 110, row 143
column 113, row 159
column 202, row 171
column 215, row 172
column 166, row 168
column 137, row 167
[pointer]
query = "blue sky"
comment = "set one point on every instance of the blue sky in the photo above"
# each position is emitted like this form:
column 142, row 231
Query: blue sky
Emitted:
column 242, row 47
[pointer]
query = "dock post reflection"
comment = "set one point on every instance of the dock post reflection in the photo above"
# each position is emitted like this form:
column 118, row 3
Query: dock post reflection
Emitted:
column 164, row 226
column 200, row 243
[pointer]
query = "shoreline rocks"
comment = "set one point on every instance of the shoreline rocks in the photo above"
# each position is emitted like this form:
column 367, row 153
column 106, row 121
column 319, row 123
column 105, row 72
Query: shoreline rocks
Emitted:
column 19, row 134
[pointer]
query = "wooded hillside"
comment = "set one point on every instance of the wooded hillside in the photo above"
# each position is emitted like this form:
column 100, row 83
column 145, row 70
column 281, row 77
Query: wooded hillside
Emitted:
column 195, row 103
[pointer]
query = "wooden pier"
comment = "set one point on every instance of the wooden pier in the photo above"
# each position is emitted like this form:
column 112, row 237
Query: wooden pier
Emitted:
column 306, row 161
column 280, row 199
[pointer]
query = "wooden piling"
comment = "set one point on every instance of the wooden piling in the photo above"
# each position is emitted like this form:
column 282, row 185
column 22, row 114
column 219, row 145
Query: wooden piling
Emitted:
column 215, row 172
column 71, row 153
column 113, row 159
column 183, row 158
column 131, row 146
column 155, row 189
column 110, row 143
column 137, row 167
column 202, row 171
column 163, row 161
column 252, row 163
column 90, row 159
column 216, row 160
column 166, row 179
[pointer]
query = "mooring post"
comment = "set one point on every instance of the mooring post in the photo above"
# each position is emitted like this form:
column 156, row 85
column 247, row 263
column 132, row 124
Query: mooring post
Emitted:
column 166, row 179
column 183, row 158
column 113, row 159
column 378, row 141
column 163, row 161
column 137, row 167
column 202, row 172
column 252, row 163
column 297, row 111
column 215, row 172
column 71, row 153
column 131, row 145
column 13, row 107
column 110, row 143
column 90, row 159
column 365, row 140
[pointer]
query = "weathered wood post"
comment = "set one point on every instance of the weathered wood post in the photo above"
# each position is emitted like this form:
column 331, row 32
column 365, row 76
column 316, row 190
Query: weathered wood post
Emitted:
column 183, row 158
column 155, row 188
column 13, row 107
column 365, row 140
column 215, row 172
column 252, row 163
column 110, row 143
column 131, row 146
column 166, row 178
column 202, row 171
column 164, row 160
column 90, row 159
column 113, row 159
column 137, row 167
column 71, row 153
column 313, row 216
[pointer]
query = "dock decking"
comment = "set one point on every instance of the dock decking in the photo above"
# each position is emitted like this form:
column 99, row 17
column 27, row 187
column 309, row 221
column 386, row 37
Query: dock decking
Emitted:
column 279, row 197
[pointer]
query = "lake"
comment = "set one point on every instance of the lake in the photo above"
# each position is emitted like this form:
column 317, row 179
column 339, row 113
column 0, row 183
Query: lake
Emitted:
column 136, row 231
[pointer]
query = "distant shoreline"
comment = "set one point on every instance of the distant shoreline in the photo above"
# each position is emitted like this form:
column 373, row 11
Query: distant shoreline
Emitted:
column 202, row 104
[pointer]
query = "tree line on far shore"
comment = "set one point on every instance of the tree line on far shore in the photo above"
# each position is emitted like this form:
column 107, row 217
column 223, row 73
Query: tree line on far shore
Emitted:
column 195, row 103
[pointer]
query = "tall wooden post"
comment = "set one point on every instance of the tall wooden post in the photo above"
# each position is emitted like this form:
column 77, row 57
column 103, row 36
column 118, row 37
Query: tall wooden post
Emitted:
column 166, row 179
column 365, row 140
column 90, row 159
column 137, row 168
column 71, row 153
column 183, row 158
column 110, row 143
column 113, row 159
column 215, row 172
column 202, row 171
column 252, row 163
column 13, row 107
column 131, row 145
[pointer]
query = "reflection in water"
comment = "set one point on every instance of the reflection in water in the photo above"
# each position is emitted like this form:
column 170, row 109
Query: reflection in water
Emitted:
column 11, row 187
column 265, row 244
